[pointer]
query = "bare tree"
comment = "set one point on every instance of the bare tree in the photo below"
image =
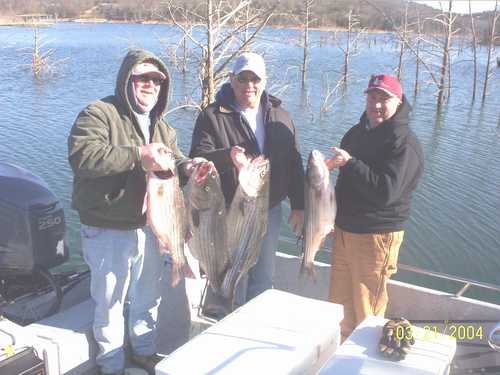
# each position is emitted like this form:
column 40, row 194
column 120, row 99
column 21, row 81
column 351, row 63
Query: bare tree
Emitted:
column 307, row 19
column 332, row 94
column 226, row 25
column 172, row 49
column 490, row 48
column 417, row 50
column 443, row 44
column 446, row 20
column 40, row 55
column 402, row 43
column 474, row 52
column 351, row 39
column 406, row 41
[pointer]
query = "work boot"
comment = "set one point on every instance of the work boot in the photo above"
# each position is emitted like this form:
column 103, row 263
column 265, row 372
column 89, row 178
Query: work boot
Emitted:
column 147, row 362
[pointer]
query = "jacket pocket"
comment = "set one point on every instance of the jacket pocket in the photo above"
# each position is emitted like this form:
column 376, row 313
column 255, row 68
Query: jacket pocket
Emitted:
column 114, row 197
column 391, row 243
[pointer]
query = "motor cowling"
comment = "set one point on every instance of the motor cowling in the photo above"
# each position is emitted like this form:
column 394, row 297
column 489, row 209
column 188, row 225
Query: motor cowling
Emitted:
column 32, row 224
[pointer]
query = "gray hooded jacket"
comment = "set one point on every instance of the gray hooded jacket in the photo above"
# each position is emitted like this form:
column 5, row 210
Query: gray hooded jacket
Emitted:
column 103, row 151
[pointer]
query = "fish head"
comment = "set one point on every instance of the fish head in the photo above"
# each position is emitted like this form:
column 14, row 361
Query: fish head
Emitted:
column 254, row 177
column 317, row 171
column 204, row 186
column 164, row 175
column 168, row 163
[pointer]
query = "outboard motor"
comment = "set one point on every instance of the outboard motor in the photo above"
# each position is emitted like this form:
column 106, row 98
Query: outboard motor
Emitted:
column 32, row 227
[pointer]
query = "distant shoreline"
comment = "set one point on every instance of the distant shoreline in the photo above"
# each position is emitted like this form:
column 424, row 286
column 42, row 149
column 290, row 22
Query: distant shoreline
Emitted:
column 16, row 23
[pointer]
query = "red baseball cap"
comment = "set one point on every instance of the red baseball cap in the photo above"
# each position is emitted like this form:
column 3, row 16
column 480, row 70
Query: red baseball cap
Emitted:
column 386, row 83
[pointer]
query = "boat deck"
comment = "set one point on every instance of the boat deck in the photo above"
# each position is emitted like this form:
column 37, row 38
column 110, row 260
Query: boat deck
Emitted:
column 180, row 319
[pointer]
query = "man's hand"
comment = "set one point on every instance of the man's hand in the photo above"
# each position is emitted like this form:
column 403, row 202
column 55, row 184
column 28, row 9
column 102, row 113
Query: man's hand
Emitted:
column 340, row 158
column 207, row 167
column 189, row 165
column 238, row 157
column 296, row 221
column 156, row 157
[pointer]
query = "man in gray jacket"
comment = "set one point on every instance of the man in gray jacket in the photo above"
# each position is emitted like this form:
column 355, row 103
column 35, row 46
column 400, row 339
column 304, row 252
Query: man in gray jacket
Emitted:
column 113, row 142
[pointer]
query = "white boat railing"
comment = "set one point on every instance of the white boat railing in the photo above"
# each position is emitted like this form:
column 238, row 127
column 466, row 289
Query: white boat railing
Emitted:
column 466, row 283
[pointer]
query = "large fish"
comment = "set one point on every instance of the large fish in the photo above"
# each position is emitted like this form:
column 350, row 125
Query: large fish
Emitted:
column 166, row 217
column 247, row 222
column 206, row 209
column 320, row 209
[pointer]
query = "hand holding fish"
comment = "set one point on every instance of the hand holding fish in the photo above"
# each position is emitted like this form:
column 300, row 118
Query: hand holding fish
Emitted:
column 238, row 157
column 156, row 157
column 296, row 221
column 190, row 166
column 340, row 158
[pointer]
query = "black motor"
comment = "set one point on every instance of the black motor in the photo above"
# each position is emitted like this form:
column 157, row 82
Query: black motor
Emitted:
column 32, row 225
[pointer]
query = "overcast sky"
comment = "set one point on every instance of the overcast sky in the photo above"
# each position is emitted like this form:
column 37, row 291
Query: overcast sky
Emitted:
column 462, row 6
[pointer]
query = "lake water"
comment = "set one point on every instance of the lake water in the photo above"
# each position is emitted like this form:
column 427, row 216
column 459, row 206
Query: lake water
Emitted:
column 455, row 222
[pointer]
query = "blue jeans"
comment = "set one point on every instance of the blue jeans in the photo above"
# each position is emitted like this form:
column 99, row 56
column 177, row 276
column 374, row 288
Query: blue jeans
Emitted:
column 125, row 266
column 261, row 276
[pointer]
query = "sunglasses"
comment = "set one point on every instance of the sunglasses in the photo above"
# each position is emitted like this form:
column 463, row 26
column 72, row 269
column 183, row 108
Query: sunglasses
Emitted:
column 146, row 78
column 242, row 79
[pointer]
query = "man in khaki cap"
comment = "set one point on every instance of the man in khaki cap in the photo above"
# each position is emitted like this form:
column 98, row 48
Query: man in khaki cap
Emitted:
column 112, row 144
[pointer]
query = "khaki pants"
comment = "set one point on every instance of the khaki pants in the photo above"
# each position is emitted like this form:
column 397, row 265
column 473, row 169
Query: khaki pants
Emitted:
column 361, row 266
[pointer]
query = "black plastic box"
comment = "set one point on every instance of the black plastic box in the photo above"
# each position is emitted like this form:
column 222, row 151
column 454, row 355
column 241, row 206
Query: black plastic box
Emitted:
column 25, row 362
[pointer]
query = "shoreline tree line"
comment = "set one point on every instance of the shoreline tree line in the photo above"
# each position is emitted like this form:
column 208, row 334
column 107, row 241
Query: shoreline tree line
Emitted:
column 287, row 13
column 214, row 32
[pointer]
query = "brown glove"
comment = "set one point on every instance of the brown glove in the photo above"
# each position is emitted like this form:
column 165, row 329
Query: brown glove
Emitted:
column 397, row 339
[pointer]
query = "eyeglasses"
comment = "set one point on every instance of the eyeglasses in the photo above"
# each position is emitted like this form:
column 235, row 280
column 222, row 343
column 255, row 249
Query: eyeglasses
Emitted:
column 146, row 78
column 245, row 79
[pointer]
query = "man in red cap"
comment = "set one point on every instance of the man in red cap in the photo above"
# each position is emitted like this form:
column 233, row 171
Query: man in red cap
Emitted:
column 380, row 162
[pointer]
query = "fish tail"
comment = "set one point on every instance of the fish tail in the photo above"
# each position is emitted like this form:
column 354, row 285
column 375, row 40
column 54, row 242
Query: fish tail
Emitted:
column 180, row 271
column 229, row 304
column 307, row 267
column 187, row 271
column 227, row 286
column 176, row 276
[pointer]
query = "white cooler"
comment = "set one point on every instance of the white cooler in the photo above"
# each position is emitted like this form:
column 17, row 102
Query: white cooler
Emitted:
column 68, row 339
column 431, row 355
column 275, row 333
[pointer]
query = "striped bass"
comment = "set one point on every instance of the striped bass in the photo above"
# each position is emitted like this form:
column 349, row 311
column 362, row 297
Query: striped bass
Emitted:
column 166, row 216
column 320, row 209
column 206, row 209
column 247, row 222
